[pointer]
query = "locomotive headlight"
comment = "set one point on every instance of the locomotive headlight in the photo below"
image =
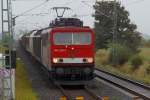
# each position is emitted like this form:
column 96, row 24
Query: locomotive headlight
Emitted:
column 55, row 60
column 89, row 60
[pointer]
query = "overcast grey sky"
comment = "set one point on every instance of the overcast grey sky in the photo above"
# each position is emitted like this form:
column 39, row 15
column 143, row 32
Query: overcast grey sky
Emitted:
column 139, row 12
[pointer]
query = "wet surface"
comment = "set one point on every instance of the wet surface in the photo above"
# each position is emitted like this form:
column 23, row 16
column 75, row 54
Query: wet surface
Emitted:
column 144, row 91
column 47, row 91
column 40, row 82
column 43, row 86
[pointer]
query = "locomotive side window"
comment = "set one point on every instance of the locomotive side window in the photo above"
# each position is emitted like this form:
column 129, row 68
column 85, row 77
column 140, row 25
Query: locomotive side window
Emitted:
column 82, row 38
column 45, row 39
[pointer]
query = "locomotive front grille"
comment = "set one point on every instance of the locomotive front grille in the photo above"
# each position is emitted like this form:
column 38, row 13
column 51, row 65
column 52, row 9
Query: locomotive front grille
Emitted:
column 73, row 71
column 74, row 74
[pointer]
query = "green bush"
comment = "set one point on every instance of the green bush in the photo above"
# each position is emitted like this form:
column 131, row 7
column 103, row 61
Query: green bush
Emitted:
column 102, row 56
column 148, row 70
column 118, row 54
column 136, row 61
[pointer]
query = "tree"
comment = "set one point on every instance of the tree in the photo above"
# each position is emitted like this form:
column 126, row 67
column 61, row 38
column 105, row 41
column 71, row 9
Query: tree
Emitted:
column 104, row 26
column 5, row 40
column 145, row 43
column 121, row 56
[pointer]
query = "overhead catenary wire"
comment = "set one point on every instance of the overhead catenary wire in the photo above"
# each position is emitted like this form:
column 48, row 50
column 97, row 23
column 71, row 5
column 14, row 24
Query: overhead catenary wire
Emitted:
column 98, row 11
column 42, row 14
column 33, row 8
column 137, row 1
column 36, row 14
column 25, row 14
column 133, row 2
column 29, row 0
column 45, row 14
column 69, row 2
column 114, row 19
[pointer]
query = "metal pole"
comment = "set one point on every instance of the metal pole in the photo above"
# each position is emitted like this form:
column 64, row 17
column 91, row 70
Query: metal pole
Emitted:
column 2, row 17
column 7, row 33
column 115, row 59
column 2, row 86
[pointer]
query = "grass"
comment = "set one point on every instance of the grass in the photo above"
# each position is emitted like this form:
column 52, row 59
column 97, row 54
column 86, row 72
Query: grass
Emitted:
column 145, row 53
column 23, row 87
column 24, row 90
column 2, row 49
column 126, row 70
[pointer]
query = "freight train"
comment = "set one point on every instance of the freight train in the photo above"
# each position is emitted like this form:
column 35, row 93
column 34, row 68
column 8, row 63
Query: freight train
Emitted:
column 65, row 49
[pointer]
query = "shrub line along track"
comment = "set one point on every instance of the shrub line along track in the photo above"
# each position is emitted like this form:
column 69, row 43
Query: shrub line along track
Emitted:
column 136, row 88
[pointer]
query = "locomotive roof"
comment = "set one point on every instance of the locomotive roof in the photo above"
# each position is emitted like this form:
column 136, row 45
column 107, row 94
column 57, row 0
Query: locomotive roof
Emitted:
column 86, row 28
column 60, row 22
column 33, row 33
column 37, row 33
column 63, row 28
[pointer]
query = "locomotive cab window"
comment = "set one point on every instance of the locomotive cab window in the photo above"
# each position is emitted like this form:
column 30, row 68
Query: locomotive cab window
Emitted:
column 62, row 39
column 82, row 38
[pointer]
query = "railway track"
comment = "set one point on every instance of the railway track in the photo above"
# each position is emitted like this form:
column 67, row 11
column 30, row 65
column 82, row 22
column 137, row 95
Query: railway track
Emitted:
column 45, row 88
column 83, row 93
column 50, row 91
column 141, row 90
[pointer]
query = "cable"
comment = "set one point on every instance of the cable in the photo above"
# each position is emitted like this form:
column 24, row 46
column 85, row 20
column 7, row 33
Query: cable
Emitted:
column 98, row 11
column 38, row 14
column 69, row 2
column 29, row 10
column 85, row 2
column 135, row 2
column 42, row 14
column 29, row 0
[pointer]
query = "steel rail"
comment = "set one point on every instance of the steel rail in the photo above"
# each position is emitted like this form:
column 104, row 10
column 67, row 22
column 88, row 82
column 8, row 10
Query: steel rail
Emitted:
column 123, row 78
column 65, row 93
column 131, row 82
column 92, row 94
column 69, row 97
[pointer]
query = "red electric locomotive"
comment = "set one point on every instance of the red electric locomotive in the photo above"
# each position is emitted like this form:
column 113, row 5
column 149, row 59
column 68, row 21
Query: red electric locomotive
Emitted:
column 66, row 49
